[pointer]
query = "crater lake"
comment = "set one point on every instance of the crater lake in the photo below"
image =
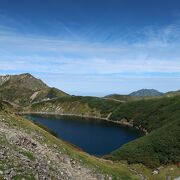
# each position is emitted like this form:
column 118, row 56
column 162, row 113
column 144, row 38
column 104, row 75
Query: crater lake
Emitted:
column 96, row 137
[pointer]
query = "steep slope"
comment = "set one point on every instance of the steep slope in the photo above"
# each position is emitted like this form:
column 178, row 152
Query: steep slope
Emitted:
column 161, row 146
column 151, row 115
column 24, row 89
column 76, row 105
column 29, row 152
column 161, row 118
column 146, row 92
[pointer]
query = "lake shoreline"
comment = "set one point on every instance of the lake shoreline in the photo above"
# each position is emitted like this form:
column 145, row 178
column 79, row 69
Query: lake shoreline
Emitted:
column 122, row 122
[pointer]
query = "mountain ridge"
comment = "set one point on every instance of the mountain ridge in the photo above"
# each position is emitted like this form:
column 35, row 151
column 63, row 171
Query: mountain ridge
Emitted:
column 24, row 89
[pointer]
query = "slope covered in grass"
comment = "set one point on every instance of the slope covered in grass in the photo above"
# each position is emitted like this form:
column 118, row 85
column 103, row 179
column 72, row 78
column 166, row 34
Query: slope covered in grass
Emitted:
column 24, row 89
column 149, row 114
column 161, row 146
column 90, row 106
column 59, row 156
column 160, row 117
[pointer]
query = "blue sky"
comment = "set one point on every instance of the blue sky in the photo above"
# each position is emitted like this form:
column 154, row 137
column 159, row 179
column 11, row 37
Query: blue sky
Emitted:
column 93, row 47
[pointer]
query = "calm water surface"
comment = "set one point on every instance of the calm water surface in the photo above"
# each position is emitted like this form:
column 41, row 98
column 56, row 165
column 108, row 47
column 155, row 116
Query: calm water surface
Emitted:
column 96, row 137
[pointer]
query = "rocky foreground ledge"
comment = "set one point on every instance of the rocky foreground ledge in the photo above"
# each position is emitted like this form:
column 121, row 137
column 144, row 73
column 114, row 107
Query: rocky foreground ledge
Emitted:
column 28, row 154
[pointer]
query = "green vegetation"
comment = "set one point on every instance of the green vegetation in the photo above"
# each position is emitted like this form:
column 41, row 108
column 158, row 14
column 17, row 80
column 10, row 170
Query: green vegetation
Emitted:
column 91, row 106
column 162, row 146
column 104, row 106
column 159, row 116
column 29, row 155
column 149, row 114
column 123, row 97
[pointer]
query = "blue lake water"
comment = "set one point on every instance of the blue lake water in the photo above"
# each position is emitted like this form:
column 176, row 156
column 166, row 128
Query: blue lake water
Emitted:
column 95, row 137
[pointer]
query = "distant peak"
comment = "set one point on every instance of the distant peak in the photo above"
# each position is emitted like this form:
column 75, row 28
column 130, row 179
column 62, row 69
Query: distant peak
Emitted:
column 26, row 74
column 146, row 92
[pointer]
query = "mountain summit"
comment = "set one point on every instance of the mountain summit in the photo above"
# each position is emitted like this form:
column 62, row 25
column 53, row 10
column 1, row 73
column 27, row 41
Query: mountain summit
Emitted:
column 24, row 89
column 146, row 92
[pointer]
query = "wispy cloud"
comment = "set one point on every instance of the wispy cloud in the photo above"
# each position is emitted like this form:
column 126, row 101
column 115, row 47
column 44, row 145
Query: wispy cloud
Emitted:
column 150, row 50
column 76, row 56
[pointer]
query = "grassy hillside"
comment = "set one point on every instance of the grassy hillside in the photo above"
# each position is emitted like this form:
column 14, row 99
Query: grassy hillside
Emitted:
column 90, row 106
column 32, row 152
column 122, row 98
column 24, row 89
column 162, row 146
column 160, row 117
column 149, row 114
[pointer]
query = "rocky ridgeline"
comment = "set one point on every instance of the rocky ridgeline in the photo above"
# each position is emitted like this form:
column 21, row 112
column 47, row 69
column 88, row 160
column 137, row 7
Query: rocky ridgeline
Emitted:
column 24, row 89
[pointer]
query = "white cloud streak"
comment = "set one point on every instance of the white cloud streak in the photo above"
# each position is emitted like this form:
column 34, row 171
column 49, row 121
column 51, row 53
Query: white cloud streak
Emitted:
column 154, row 50
column 29, row 52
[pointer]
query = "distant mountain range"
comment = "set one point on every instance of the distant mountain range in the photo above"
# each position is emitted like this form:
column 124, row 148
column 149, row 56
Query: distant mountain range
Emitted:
column 136, row 95
column 25, row 89
column 142, row 94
